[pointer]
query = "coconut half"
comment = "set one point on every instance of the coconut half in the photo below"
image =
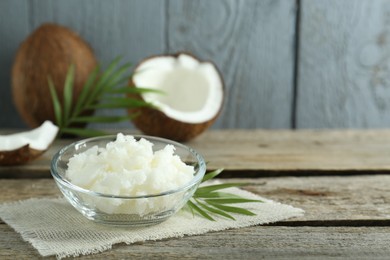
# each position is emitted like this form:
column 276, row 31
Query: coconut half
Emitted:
column 191, row 98
column 22, row 147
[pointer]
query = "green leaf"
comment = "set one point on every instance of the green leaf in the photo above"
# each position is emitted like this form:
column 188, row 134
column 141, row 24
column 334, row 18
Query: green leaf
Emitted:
column 233, row 209
column 117, row 78
column 215, row 194
column 85, row 91
column 120, row 103
column 100, row 119
column 211, row 175
column 230, row 200
column 101, row 90
column 188, row 207
column 68, row 93
column 98, row 89
column 199, row 210
column 207, row 200
column 133, row 90
column 85, row 132
column 56, row 102
column 123, row 80
column 215, row 211
column 210, row 188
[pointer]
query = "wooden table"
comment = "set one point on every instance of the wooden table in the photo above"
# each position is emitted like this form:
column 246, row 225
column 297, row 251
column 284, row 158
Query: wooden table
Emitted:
column 340, row 178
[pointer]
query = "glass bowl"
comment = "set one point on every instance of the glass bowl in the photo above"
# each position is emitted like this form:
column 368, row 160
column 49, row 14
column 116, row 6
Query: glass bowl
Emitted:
column 93, row 205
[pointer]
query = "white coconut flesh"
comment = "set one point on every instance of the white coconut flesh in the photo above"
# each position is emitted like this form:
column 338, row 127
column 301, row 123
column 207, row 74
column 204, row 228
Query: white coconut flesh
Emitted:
column 39, row 138
column 192, row 91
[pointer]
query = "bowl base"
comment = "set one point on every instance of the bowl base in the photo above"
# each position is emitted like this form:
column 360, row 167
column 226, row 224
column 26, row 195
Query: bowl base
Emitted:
column 128, row 220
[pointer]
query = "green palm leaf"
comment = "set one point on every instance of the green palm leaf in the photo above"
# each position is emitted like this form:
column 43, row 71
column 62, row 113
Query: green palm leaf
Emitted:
column 85, row 91
column 56, row 103
column 133, row 90
column 233, row 209
column 101, row 90
column 208, row 200
column 199, row 210
column 117, row 77
column 211, row 175
column 119, row 103
column 214, row 210
column 230, row 201
column 68, row 93
column 208, row 189
column 100, row 119
column 84, row 132
column 217, row 195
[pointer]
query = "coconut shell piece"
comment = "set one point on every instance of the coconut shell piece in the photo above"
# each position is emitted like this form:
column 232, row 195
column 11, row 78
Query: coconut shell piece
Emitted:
column 19, row 156
column 21, row 148
column 156, row 121
column 48, row 52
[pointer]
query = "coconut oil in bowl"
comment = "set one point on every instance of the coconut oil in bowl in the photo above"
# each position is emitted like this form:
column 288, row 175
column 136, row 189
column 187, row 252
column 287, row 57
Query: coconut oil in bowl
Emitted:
column 127, row 180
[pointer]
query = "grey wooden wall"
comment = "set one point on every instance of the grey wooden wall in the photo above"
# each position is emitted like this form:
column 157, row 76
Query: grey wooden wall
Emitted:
column 286, row 63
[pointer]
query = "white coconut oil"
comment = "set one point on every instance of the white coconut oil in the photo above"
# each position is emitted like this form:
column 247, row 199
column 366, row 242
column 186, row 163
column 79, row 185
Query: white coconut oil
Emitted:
column 127, row 167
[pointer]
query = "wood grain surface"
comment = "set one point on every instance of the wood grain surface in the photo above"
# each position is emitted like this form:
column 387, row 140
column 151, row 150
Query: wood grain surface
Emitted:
column 250, row 41
column 346, row 217
column 326, row 200
column 13, row 28
column 343, row 62
column 256, row 153
column 129, row 29
column 262, row 242
column 329, row 70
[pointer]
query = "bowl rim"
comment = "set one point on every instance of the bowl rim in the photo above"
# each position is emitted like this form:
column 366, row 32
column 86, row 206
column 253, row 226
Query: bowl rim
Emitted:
column 194, row 181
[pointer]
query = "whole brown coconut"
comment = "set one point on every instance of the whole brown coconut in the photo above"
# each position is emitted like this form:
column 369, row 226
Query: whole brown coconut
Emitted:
column 48, row 52
column 191, row 99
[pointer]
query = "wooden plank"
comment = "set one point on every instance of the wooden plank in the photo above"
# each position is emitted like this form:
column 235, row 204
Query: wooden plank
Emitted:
column 14, row 26
column 243, row 36
column 257, row 153
column 246, row 243
column 131, row 29
column 335, row 200
column 343, row 78
column 252, row 44
column 294, row 151
column 327, row 201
